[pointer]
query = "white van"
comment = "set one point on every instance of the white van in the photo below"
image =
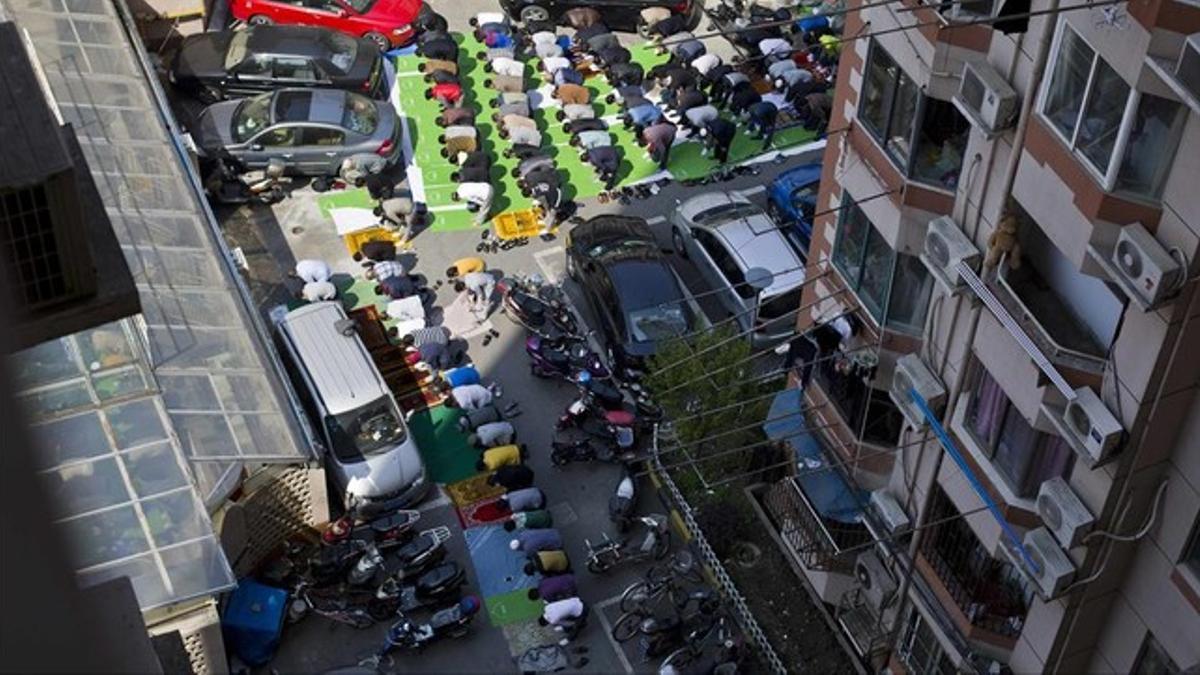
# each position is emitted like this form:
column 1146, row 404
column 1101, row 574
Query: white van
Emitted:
column 371, row 456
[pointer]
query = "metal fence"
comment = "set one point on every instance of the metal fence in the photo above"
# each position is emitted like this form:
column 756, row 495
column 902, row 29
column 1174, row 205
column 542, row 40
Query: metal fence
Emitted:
column 726, row 586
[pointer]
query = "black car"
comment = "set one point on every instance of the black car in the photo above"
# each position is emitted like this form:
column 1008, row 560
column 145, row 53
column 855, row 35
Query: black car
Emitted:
column 218, row 65
column 634, row 294
column 617, row 14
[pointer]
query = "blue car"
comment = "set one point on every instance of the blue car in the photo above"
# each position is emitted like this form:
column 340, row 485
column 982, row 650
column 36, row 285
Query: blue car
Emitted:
column 792, row 201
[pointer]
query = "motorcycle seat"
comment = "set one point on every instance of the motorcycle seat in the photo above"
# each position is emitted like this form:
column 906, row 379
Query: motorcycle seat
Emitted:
column 438, row 578
column 454, row 613
column 393, row 521
column 556, row 358
column 620, row 418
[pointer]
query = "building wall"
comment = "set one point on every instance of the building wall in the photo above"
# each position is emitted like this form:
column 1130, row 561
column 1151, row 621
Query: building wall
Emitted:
column 1150, row 381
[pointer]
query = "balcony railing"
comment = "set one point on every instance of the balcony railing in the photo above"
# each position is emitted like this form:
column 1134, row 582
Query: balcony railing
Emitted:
column 1046, row 320
column 854, row 399
column 987, row 591
column 860, row 622
column 820, row 543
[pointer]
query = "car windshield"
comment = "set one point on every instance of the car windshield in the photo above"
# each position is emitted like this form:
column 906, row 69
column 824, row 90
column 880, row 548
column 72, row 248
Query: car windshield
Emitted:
column 368, row 430
column 360, row 114
column 251, row 117
column 779, row 306
column 659, row 322
column 342, row 50
column 616, row 246
column 361, row 6
column 237, row 49
column 725, row 213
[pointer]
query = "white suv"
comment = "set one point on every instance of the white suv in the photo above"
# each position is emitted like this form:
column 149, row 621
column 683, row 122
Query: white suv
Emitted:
column 726, row 235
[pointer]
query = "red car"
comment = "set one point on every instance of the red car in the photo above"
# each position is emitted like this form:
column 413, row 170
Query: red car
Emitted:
column 387, row 23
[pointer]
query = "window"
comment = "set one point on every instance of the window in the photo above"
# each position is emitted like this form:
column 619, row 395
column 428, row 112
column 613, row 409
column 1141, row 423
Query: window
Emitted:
column 1024, row 456
column 322, row 136
column 1153, row 659
column 28, row 243
column 926, row 137
column 360, row 114
column 804, row 200
column 919, row 648
column 280, row 137
column 292, row 68
column 1125, row 136
column 724, row 262
column 895, row 289
column 1191, row 555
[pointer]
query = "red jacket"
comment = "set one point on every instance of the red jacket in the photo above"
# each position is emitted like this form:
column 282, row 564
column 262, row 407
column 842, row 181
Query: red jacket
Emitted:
column 448, row 92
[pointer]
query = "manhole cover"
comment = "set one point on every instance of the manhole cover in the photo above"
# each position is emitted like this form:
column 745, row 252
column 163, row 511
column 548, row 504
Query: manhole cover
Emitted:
column 746, row 554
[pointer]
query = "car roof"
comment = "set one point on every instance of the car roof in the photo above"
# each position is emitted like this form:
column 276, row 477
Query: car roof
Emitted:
column 310, row 105
column 757, row 242
column 290, row 41
column 339, row 366
column 643, row 281
column 610, row 227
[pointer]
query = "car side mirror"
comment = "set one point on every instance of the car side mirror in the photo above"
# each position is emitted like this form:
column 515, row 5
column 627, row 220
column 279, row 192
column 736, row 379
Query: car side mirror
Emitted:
column 256, row 147
column 341, row 14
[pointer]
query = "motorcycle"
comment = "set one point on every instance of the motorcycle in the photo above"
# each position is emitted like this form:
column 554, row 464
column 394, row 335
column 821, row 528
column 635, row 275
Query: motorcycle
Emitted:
column 385, row 532
column 436, row 586
column 538, row 308
column 653, row 544
column 620, row 449
column 548, row 359
column 449, row 622
column 340, row 604
column 330, row 564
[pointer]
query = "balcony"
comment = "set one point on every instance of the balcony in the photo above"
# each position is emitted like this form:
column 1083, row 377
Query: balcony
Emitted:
column 928, row 41
column 1048, row 321
column 860, row 622
column 869, row 413
column 984, row 596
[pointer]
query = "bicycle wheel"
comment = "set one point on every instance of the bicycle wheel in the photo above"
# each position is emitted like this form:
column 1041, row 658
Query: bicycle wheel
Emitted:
column 626, row 627
column 680, row 660
column 635, row 596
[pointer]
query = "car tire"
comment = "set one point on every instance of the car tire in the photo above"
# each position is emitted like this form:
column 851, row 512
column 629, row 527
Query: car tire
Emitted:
column 380, row 40
column 677, row 243
column 260, row 20
column 534, row 14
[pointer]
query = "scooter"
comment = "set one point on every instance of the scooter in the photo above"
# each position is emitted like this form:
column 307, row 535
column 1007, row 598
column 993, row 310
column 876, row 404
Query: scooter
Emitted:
column 564, row 452
column 386, row 532
column 409, row 560
column 436, row 586
column 653, row 544
column 623, row 501
column 330, row 564
column 541, row 311
column 450, row 622
column 548, row 359
column 339, row 604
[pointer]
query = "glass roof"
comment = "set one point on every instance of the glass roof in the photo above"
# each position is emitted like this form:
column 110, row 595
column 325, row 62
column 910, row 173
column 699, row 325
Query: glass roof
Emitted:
column 115, row 474
column 221, row 383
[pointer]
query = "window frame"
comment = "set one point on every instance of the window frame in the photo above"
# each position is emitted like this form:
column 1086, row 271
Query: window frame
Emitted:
column 936, row 659
column 1150, row 642
column 1107, row 179
column 908, row 166
column 854, row 282
column 1190, row 556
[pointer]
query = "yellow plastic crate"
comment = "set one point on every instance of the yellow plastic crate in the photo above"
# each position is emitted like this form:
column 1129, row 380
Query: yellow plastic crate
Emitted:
column 357, row 238
column 517, row 224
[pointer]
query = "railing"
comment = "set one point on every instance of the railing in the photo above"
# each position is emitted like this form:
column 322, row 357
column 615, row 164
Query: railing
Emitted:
column 819, row 543
column 1036, row 329
column 860, row 622
column 982, row 587
column 856, row 400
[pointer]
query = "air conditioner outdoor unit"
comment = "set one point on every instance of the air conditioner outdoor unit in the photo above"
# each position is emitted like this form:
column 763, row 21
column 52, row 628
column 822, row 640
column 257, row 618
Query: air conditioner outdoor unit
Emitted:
column 945, row 247
column 985, row 98
column 876, row 581
column 1089, row 427
column 1063, row 513
column 1053, row 570
column 1145, row 269
column 912, row 373
column 890, row 512
column 1187, row 68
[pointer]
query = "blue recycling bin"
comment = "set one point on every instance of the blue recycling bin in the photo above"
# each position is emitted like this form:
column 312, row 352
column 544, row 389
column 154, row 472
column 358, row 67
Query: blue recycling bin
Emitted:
column 253, row 621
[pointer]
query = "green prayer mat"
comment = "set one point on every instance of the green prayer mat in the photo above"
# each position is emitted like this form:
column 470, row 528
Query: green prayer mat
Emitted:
column 448, row 457
column 344, row 199
column 513, row 607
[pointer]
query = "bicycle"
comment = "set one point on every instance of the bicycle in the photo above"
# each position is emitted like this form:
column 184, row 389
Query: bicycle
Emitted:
column 639, row 600
column 660, row 579
column 729, row 653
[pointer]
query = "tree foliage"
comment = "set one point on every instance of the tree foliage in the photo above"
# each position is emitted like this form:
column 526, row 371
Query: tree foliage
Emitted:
column 707, row 386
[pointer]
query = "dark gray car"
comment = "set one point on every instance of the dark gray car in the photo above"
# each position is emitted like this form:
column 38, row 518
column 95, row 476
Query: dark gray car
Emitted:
column 311, row 130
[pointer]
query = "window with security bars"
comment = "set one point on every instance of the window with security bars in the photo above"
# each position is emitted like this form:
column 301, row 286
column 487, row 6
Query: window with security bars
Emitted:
column 36, row 274
column 920, row 650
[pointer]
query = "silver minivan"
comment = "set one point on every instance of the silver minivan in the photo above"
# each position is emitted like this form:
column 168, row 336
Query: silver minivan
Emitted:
column 726, row 235
column 371, row 456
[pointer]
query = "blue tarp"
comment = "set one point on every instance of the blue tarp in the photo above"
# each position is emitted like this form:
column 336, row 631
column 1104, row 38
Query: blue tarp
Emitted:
column 253, row 621
column 830, row 493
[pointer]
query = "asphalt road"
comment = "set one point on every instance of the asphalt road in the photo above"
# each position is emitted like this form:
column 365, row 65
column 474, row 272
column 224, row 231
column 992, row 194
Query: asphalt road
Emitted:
column 271, row 239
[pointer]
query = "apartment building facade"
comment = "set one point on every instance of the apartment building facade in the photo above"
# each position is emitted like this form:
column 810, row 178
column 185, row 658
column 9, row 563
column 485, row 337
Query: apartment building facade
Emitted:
column 1010, row 229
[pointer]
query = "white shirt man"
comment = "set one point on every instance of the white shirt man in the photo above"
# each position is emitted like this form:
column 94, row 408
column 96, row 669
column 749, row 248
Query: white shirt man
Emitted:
column 471, row 396
column 478, row 197
column 316, row 291
column 385, row 269
column 310, row 271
